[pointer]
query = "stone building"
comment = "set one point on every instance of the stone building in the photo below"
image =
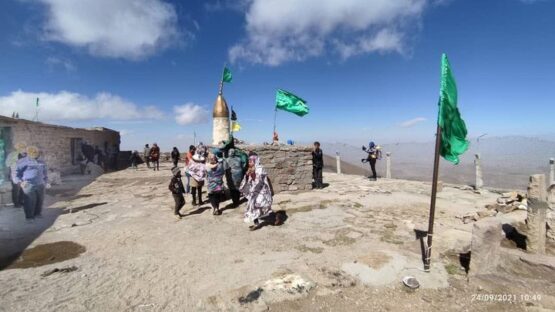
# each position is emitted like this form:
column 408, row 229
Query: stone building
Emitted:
column 60, row 146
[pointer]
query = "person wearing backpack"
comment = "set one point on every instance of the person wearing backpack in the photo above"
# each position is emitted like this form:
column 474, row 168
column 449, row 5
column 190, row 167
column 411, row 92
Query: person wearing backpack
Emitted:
column 374, row 153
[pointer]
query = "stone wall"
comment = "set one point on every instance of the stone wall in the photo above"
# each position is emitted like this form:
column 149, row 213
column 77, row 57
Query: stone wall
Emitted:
column 289, row 167
column 55, row 141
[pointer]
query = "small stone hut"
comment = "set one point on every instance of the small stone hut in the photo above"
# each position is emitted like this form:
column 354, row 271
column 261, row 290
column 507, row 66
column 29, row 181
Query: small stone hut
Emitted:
column 60, row 146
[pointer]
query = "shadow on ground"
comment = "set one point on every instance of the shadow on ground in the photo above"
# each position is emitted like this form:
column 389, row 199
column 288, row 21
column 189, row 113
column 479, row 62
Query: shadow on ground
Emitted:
column 16, row 234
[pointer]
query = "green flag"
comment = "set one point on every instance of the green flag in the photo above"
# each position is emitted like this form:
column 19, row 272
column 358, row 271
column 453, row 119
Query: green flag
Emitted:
column 453, row 128
column 226, row 76
column 291, row 103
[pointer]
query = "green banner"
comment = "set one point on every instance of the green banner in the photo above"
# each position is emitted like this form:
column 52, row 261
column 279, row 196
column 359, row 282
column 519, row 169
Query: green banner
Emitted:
column 453, row 128
column 226, row 76
column 289, row 102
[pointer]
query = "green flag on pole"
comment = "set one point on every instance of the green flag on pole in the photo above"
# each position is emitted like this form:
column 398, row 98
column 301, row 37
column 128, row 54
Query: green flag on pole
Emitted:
column 226, row 76
column 453, row 128
column 291, row 103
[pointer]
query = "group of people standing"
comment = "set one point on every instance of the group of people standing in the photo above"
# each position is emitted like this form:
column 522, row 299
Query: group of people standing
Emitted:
column 152, row 156
column 29, row 176
column 243, row 174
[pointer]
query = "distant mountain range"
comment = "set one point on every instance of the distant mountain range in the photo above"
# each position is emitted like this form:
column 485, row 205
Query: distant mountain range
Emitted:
column 507, row 162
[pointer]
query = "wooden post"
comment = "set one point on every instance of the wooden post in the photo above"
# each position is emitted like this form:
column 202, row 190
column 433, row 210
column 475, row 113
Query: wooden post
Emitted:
column 428, row 251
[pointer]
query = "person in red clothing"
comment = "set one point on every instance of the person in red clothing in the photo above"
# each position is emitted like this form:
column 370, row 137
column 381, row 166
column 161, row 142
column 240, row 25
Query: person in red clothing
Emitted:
column 155, row 157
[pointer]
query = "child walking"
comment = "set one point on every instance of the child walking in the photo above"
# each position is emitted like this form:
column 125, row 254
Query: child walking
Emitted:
column 177, row 189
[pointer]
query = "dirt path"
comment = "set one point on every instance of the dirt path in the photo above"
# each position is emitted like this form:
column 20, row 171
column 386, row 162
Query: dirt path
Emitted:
column 345, row 247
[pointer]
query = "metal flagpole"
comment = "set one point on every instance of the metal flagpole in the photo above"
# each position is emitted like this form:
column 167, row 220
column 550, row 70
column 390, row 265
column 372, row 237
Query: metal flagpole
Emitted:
column 231, row 121
column 428, row 251
column 275, row 119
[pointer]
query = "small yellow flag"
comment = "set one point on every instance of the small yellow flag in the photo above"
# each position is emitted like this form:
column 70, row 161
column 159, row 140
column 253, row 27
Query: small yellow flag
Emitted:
column 235, row 126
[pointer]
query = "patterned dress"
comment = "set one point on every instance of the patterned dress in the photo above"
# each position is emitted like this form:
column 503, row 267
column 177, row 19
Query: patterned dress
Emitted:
column 215, row 178
column 258, row 193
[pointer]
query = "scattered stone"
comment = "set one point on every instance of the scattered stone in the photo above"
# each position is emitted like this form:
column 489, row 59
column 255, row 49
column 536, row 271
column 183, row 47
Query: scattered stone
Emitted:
column 290, row 283
column 56, row 270
column 485, row 213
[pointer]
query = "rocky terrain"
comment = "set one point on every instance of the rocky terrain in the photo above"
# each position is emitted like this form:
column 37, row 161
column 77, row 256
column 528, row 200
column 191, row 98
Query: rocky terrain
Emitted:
column 114, row 245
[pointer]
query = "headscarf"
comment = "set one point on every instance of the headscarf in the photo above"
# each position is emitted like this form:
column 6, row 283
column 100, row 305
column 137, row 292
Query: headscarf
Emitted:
column 371, row 144
column 33, row 152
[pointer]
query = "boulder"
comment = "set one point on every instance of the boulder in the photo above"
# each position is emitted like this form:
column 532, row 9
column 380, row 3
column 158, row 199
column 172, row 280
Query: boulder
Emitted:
column 487, row 234
column 54, row 178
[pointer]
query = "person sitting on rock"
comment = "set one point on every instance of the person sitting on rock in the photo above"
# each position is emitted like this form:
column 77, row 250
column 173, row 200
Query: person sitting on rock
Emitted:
column 177, row 189
column 215, row 172
column 197, row 170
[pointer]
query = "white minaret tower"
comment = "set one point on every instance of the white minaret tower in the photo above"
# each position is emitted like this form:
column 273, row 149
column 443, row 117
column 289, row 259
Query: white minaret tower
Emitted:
column 220, row 119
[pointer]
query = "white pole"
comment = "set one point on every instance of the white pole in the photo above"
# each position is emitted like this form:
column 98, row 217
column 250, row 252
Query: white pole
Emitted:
column 479, row 181
column 388, row 165
column 338, row 162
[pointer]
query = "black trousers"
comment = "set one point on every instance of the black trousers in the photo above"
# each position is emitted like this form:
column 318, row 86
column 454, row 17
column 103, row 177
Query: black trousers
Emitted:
column 179, row 202
column 197, row 191
column 17, row 195
column 156, row 164
column 235, row 196
column 33, row 200
column 214, row 199
column 372, row 162
column 317, row 176
column 175, row 162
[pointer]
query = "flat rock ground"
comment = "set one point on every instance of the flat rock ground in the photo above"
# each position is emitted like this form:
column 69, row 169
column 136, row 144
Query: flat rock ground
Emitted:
column 343, row 248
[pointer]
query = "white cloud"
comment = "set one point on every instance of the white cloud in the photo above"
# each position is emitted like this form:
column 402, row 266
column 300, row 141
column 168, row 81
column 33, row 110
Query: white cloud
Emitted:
column 279, row 31
column 64, row 63
column 74, row 106
column 412, row 122
column 130, row 29
column 190, row 114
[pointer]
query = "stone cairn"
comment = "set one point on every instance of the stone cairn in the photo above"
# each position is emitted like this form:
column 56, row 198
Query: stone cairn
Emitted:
column 289, row 166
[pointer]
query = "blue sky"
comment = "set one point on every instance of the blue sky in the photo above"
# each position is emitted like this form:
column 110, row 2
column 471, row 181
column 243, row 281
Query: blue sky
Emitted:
column 368, row 69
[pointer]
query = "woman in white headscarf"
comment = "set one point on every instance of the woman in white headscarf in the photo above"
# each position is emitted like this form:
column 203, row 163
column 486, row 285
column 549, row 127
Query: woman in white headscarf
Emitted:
column 257, row 189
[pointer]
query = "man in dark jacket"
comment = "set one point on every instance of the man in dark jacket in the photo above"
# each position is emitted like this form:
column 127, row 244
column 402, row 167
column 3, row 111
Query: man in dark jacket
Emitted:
column 175, row 156
column 317, row 165
column 146, row 154
column 177, row 189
